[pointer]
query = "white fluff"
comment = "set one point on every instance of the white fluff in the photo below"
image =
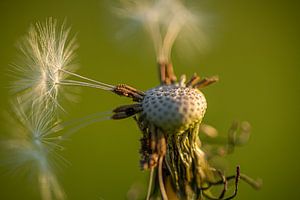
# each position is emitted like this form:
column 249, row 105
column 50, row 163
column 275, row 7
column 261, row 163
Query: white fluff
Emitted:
column 45, row 51
column 47, row 64
column 33, row 146
column 165, row 20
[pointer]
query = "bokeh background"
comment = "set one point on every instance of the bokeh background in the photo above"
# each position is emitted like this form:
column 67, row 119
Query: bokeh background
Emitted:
column 255, row 51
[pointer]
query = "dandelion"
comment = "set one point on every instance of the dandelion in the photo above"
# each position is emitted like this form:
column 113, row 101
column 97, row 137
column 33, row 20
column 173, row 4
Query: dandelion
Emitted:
column 169, row 115
column 33, row 145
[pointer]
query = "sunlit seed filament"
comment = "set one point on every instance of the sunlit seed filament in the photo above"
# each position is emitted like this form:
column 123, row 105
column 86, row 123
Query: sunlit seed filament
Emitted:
column 93, row 84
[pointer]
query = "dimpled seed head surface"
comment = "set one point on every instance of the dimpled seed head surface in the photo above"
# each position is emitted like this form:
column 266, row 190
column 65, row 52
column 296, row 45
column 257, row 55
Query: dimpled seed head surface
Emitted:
column 174, row 108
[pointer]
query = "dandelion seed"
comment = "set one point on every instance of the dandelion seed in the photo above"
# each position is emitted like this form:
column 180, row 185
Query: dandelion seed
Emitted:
column 165, row 20
column 33, row 145
column 47, row 63
column 45, row 50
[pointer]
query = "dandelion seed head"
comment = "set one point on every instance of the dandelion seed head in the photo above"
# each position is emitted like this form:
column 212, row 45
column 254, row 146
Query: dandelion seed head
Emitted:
column 173, row 108
column 44, row 52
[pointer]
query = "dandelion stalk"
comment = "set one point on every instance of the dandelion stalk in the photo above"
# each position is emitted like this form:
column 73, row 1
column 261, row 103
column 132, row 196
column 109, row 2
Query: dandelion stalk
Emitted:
column 96, row 84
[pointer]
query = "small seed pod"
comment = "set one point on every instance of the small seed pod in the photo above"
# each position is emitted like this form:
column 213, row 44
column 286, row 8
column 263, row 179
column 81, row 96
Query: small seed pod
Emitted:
column 174, row 108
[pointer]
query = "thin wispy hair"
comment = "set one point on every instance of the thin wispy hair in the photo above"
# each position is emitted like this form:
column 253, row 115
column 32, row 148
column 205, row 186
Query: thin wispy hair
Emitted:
column 45, row 52
column 33, row 142
column 165, row 21
column 46, row 63
column 32, row 147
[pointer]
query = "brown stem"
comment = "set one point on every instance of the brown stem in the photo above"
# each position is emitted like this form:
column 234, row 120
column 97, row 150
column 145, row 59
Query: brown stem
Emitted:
column 166, row 74
column 125, row 111
column 225, row 184
column 195, row 79
column 170, row 73
column 162, row 73
column 205, row 82
column 236, row 177
column 128, row 91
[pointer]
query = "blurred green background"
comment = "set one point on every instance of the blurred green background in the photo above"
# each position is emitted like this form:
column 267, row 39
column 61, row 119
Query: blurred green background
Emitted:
column 255, row 51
